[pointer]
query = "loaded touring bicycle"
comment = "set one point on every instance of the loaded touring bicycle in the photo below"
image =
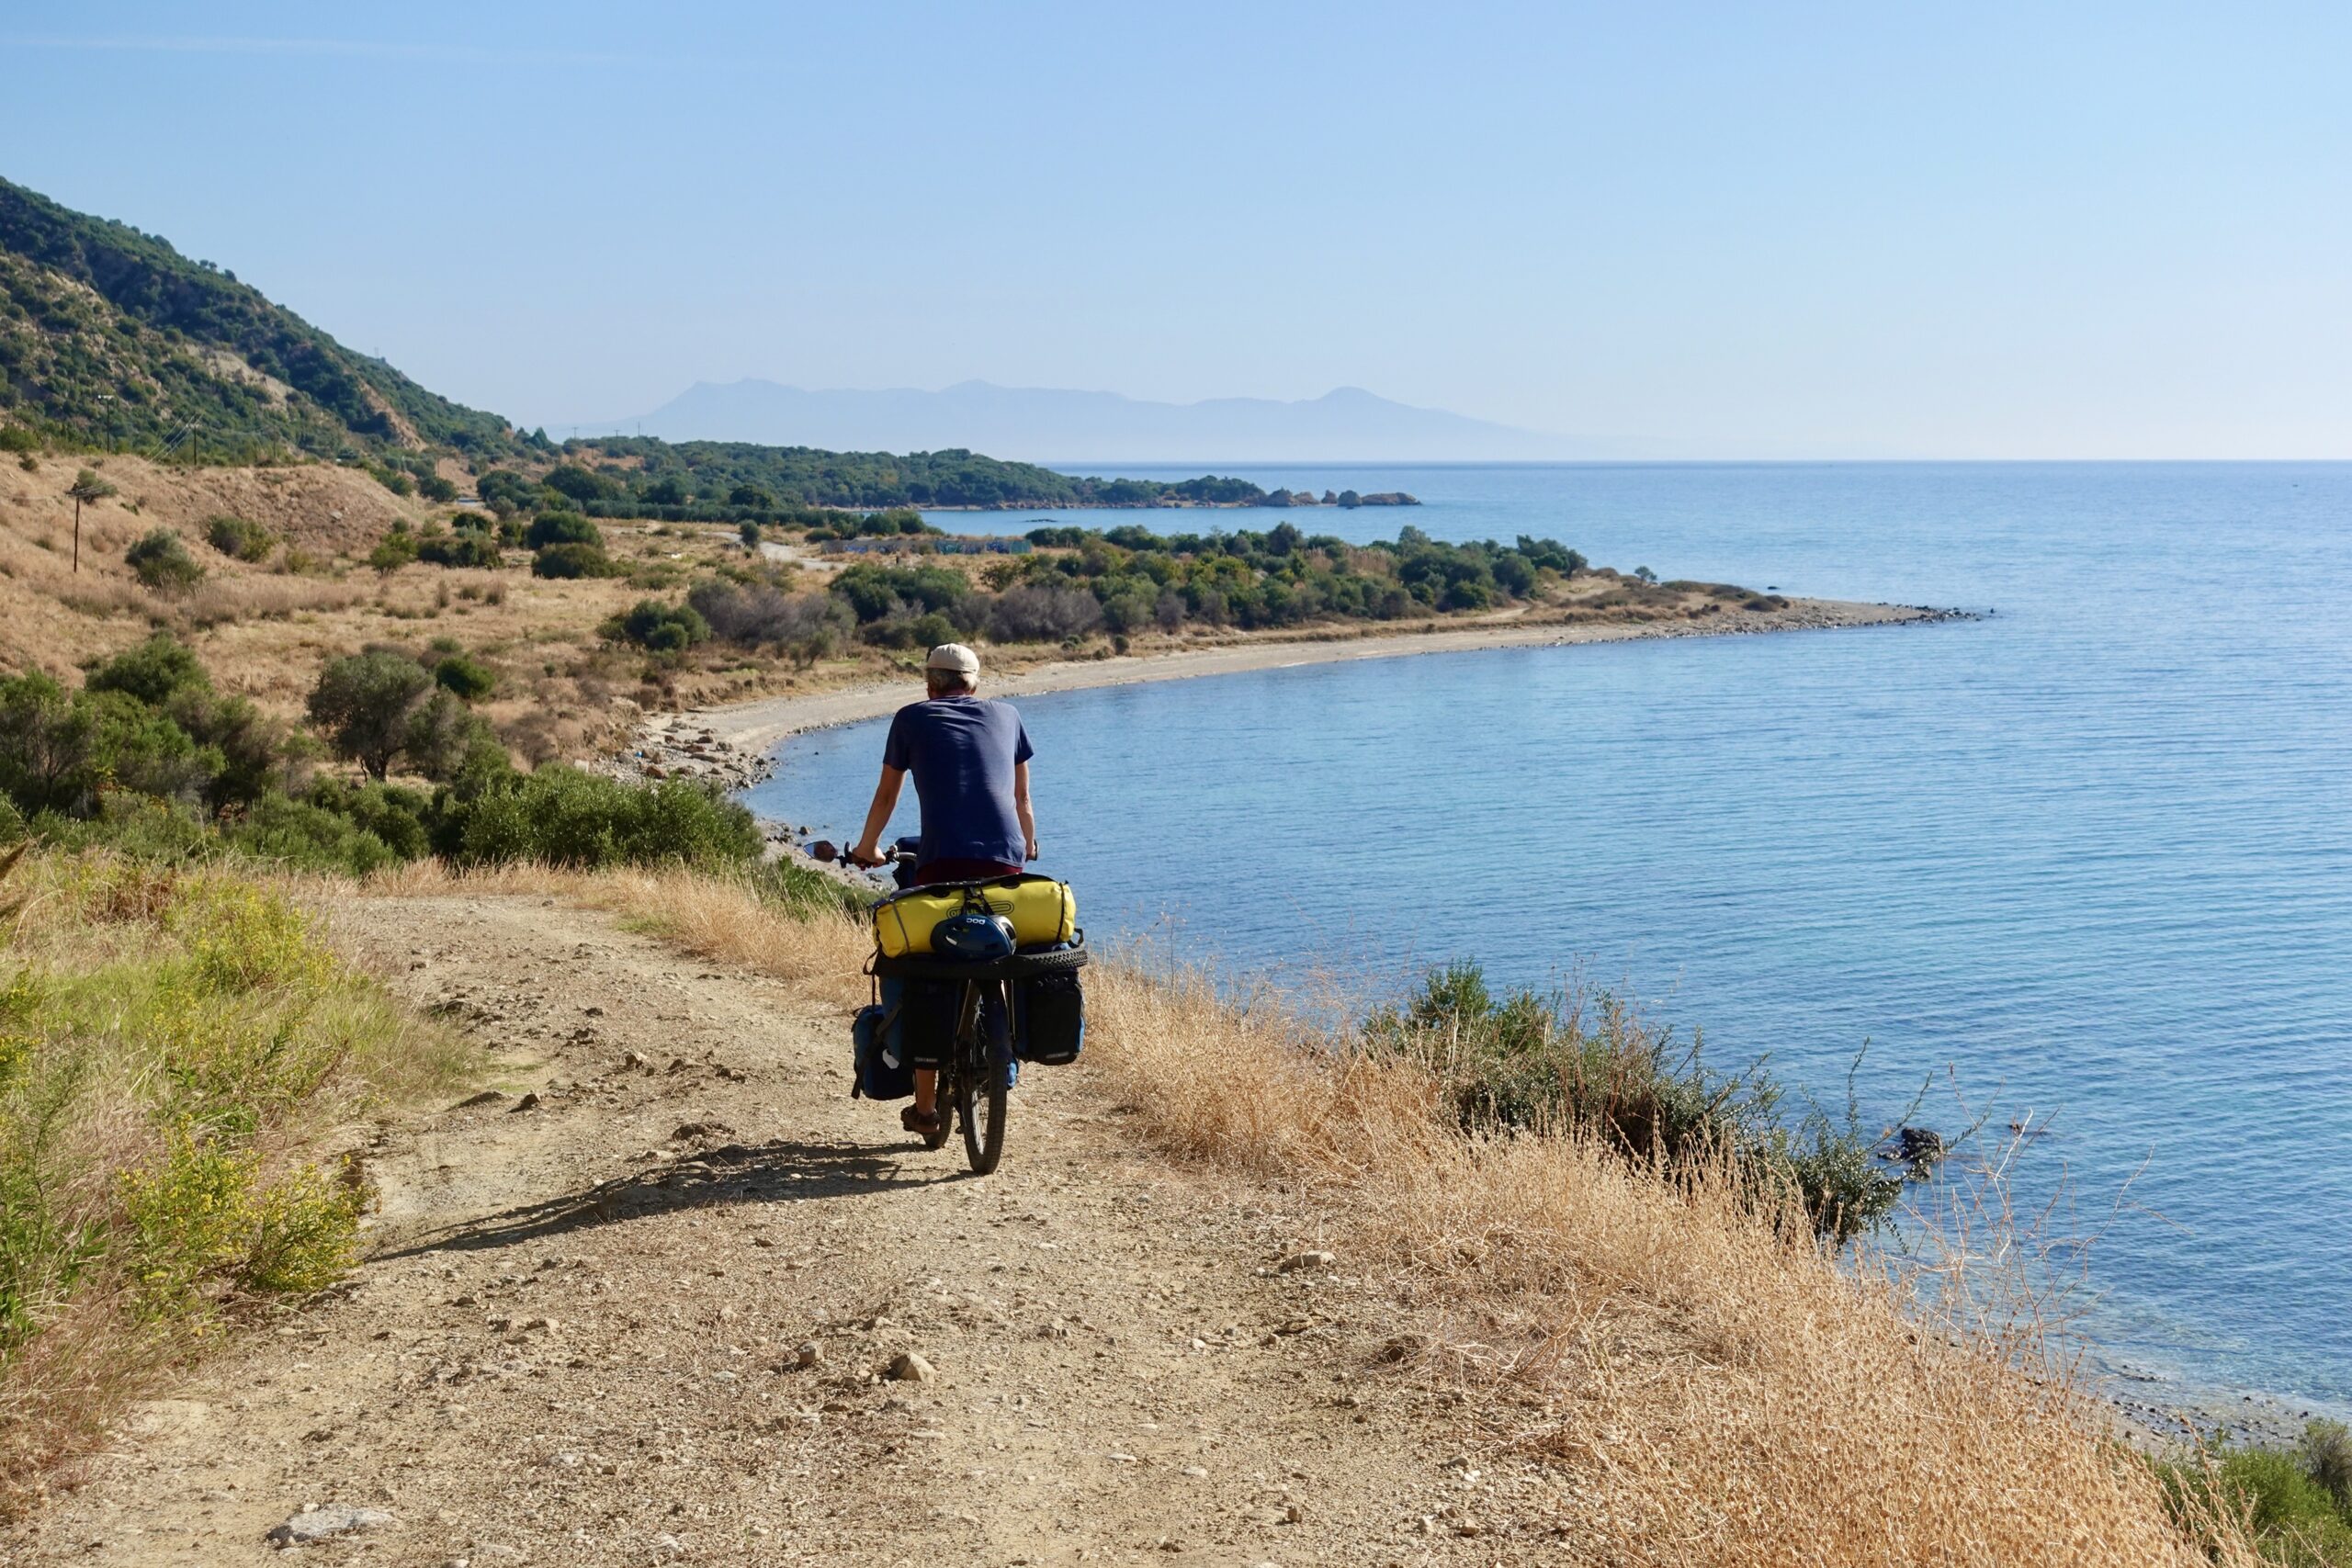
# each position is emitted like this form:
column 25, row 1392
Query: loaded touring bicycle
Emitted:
column 979, row 977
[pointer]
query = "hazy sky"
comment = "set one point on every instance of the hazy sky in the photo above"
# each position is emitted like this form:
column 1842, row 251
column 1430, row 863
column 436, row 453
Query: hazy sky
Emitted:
column 1829, row 229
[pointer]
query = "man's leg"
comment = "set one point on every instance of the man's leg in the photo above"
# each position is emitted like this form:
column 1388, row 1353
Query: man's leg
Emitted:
column 926, row 1089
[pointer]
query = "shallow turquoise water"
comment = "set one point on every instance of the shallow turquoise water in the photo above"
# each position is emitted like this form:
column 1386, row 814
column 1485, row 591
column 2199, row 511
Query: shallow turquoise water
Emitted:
column 2089, row 857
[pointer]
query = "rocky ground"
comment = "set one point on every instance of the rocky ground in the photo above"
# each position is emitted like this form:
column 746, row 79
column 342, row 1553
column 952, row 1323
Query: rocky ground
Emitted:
column 682, row 746
column 668, row 1294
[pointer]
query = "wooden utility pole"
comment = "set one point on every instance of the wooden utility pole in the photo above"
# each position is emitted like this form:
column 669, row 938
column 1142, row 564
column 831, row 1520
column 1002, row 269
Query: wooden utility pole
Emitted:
column 87, row 486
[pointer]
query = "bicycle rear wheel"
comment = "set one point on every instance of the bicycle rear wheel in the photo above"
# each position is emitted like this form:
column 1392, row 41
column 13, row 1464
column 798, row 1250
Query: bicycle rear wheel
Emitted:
column 981, row 1097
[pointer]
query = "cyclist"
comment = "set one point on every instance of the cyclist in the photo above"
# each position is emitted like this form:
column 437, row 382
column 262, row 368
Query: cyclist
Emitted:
column 970, row 758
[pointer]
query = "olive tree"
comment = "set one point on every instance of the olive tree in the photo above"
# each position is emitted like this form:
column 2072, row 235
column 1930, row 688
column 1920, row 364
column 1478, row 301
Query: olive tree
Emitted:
column 364, row 703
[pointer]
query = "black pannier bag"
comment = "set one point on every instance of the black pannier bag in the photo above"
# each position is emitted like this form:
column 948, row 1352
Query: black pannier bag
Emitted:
column 1048, row 1018
column 928, row 1017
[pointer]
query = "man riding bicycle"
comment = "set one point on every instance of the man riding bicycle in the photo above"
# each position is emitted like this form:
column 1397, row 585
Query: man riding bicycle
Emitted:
column 971, row 759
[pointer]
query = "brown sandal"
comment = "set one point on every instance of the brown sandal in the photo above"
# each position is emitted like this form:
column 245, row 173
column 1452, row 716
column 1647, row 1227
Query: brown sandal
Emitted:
column 915, row 1121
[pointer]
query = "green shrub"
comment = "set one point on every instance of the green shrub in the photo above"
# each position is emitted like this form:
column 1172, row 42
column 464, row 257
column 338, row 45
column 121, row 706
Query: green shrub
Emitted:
column 749, row 533
column 59, row 751
column 503, row 492
column 153, row 672
column 562, row 528
column 571, row 480
column 16, row 438
column 574, row 561
column 444, row 739
column 163, row 562
column 396, row 550
column 2327, row 1451
column 305, row 837
column 802, row 892
column 2296, row 1521
column 403, row 821
column 662, row 629
column 466, row 547
column 562, row 816
column 436, row 489
column 463, row 676
column 242, row 938
column 239, row 751
column 1528, row 1061
column 239, row 538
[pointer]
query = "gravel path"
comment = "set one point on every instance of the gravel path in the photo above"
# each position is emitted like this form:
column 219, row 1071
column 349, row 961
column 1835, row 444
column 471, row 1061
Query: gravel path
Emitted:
column 652, row 1314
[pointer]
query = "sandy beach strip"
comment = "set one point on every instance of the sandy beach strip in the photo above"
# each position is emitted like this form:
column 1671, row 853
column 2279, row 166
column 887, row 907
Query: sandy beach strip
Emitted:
column 757, row 725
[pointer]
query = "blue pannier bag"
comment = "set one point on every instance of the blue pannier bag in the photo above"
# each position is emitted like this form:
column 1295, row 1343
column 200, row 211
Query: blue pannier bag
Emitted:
column 882, row 1070
column 1048, row 1017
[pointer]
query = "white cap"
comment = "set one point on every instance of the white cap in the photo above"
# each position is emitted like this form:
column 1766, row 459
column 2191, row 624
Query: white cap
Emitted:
column 955, row 657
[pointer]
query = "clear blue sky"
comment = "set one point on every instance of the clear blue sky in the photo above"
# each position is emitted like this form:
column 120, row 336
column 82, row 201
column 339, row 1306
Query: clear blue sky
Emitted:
column 2041, row 230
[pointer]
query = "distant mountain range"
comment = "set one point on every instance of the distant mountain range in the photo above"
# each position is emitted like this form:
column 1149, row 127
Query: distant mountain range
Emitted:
column 1046, row 424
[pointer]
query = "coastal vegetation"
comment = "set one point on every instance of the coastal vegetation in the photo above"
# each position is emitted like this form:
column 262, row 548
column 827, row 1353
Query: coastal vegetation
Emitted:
column 2296, row 1501
column 1079, row 583
column 177, row 1049
column 149, row 760
column 1527, row 1062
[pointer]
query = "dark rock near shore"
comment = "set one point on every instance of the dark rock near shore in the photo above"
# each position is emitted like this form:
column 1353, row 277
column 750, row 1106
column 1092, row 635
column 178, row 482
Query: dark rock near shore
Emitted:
column 1921, row 1148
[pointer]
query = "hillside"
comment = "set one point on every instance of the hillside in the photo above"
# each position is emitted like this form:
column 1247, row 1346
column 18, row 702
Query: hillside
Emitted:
column 111, row 336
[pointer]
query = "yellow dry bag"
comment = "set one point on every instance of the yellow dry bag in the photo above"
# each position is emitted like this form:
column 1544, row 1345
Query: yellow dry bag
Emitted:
column 1043, row 911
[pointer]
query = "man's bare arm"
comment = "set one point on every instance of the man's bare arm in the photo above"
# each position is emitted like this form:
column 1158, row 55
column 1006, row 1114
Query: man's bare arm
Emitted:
column 1021, row 806
column 877, row 815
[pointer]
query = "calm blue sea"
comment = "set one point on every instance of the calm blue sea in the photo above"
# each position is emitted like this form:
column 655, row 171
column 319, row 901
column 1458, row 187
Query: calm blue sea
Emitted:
column 2090, row 857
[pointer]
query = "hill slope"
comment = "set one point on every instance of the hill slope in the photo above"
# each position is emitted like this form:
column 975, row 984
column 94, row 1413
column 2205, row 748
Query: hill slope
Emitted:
column 109, row 334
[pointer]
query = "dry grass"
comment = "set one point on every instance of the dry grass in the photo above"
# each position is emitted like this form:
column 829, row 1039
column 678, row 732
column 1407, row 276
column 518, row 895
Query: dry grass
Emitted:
column 713, row 916
column 1718, row 1394
column 1721, row 1395
column 253, row 597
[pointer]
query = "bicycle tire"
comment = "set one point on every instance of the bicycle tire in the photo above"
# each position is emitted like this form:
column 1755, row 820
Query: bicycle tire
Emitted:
column 1020, row 966
column 983, row 1140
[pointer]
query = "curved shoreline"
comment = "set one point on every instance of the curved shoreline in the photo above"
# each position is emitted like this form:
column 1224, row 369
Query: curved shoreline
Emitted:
column 2149, row 1408
column 758, row 726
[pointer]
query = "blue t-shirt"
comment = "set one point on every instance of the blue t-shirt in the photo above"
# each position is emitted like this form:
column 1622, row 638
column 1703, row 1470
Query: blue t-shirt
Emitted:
column 962, row 751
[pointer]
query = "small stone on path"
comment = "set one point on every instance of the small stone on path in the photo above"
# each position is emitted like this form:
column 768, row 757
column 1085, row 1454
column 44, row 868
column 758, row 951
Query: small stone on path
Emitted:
column 1298, row 1260
column 908, row 1367
column 318, row 1524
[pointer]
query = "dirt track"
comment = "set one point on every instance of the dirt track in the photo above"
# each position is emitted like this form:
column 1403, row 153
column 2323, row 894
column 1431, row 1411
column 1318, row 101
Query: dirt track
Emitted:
column 577, row 1334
